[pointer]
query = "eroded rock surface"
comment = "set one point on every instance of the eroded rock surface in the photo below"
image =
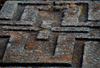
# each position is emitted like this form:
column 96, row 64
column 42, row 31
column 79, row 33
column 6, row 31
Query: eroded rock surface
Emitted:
column 63, row 33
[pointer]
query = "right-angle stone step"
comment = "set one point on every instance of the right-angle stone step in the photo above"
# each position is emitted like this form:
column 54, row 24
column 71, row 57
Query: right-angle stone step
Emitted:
column 78, row 53
column 91, row 58
column 69, row 20
column 29, row 14
column 3, row 44
column 8, row 10
column 43, row 35
column 94, row 11
column 46, row 24
column 64, row 47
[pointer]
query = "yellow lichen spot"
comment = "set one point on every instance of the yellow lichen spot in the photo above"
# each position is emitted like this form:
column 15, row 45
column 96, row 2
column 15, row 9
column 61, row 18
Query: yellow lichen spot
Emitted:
column 73, row 5
column 80, row 9
column 74, row 10
column 67, row 6
column 57, row 6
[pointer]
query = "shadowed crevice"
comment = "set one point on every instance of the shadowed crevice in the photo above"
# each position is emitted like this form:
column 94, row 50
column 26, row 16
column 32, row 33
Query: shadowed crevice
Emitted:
column 5, row 19
column 36, row 64
column 72, row 31
column 37, row 4
column 55, row 46
column 3, row 24
column 88, row 39
column 3, row 44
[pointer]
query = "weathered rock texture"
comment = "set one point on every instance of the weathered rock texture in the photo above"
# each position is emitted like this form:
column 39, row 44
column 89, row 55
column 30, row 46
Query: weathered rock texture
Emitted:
column 48, row 33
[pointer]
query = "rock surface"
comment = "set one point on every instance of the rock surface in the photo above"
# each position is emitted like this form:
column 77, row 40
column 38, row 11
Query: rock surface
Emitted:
column 49, row 34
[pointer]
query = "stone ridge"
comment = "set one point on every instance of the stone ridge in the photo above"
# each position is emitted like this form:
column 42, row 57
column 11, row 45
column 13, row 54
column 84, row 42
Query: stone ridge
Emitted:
column 8, row 10
column 29, row 14
column 44, row 35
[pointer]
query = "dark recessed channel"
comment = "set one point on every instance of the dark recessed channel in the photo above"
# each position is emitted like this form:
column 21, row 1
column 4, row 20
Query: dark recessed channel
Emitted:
column 78, row 54
column 3, row 43
column 93, row 20
column 5, row 19
column 3, row 24
column 38, row 4
column 1, row 3
column 0, row 7
column 80, row 26
column 37, row 64
column 88, row 39
column 72, row 31
column 19, row 30
column 55, row 46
